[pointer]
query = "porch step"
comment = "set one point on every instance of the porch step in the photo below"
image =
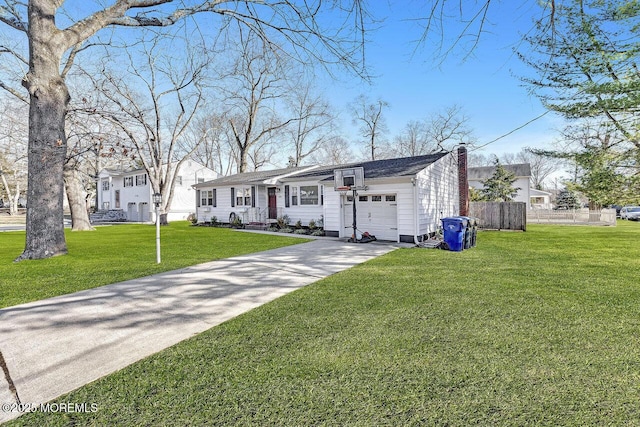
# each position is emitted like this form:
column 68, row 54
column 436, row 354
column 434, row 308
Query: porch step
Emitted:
column 256, row 226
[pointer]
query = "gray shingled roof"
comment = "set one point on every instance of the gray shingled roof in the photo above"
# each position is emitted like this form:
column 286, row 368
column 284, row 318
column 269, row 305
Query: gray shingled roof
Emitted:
column 485, row 172
column 404, row 166
column 386, row 168
column 250, row 177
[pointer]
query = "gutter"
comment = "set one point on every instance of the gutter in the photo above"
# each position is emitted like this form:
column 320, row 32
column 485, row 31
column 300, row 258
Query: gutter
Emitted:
column 274, row 180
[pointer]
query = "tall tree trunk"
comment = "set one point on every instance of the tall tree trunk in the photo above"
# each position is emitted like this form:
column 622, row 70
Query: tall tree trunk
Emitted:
column 49, row 97
column 76, row 195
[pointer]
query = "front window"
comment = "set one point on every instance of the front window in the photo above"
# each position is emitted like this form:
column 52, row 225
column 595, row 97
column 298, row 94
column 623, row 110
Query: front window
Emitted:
column 208, row 198
column 309, row 195
column 179, row 180
column 128, row 181
column 294, row 195
column 141, row 180
column 105, row 185
column 243, row 196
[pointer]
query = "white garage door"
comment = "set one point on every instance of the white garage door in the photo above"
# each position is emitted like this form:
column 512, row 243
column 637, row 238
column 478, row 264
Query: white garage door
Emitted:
column 377, row 214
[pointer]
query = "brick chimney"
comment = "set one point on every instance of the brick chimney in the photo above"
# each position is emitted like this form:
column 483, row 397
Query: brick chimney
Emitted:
column 463, row 183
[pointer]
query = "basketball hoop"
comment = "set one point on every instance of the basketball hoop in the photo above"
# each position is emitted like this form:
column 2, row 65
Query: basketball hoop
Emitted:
column 343, row 190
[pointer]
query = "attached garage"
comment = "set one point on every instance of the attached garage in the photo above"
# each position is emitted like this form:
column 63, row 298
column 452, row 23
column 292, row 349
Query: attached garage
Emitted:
column 376, row 214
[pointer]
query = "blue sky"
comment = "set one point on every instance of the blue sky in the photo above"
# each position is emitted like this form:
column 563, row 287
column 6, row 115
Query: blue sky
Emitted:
column 485, row 84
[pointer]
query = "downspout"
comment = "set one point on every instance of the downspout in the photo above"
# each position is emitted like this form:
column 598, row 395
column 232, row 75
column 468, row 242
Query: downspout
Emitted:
column 414, row 183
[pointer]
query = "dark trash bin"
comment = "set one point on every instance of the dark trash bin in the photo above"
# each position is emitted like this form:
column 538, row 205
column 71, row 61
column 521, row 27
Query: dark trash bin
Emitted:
column 454, row 232
column 474, row 231
column 470, row 232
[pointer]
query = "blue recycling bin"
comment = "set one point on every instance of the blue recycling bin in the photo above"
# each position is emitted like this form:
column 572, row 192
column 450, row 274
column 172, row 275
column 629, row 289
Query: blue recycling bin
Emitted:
column 454, row 232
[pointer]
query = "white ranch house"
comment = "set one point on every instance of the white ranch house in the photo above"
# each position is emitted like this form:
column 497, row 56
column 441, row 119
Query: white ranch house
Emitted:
column 403, row 200
column 130, row 191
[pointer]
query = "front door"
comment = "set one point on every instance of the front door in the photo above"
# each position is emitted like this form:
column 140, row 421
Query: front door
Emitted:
column 273, row 203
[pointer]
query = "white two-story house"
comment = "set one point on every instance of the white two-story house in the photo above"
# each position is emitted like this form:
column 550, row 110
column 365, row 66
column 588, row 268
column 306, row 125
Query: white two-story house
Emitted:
column 130, row 191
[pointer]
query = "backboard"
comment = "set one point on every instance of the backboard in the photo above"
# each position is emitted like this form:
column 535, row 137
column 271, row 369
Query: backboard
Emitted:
column 349, row 177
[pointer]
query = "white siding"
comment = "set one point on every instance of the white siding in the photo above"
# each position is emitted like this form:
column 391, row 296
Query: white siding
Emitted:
column 438, row 194
column 332, row 211
column 184, row 196
column 223, row 207
column 133, row 198
column 302, row 213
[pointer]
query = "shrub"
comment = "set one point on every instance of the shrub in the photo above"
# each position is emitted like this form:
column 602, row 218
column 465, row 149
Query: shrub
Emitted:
column 236, row 222
column 283, row 221
column 214, row 221
column 298, row 224
column 285, row 230
column 317, row 232
column 192, row 218
column 300, row 231
column 312, row 225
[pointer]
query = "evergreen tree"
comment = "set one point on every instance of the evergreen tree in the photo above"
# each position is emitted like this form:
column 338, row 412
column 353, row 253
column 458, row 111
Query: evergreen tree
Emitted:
column 567, row 199
column 499, row 187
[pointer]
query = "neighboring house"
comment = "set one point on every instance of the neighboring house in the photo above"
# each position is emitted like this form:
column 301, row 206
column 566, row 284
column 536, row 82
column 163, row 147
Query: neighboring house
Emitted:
column 404, row 199
column 540, row 199
column 522, row 172
column 130, row 191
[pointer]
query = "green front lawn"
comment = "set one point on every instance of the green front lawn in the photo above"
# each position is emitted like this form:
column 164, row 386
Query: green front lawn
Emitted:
column 535, row 328
column 116, row 253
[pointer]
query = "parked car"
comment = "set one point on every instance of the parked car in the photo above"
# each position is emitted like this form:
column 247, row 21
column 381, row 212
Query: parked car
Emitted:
column 630, row 212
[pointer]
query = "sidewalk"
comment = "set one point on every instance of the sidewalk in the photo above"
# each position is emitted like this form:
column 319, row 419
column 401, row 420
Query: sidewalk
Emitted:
column 56, row 345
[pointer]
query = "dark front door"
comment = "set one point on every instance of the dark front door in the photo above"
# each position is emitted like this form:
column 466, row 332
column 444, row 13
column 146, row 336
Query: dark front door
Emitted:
column 273, row 203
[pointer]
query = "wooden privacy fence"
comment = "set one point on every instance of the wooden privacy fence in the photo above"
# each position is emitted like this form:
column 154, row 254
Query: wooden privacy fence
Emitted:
column 500, row 215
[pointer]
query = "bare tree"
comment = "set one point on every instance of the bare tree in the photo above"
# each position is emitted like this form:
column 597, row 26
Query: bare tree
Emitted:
column 312, row 126
column 542, row 167
column 303, row 27
column 369, row 116
column 412, row 141
column 255, row 89
column 476, row 160
column 448, row 128
column 441, row 131
column 214, row 151
column 335, row 151
column 153, row 105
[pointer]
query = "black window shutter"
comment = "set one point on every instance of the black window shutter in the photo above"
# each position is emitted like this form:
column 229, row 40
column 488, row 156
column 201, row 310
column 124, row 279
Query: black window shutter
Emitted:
column 253, row 196
column 198, row 198
column 215, row 196
column 286, row 196
column 233, row 197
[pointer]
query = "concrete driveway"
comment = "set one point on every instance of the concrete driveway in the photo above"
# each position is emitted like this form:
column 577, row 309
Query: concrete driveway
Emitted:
column 56, row 345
